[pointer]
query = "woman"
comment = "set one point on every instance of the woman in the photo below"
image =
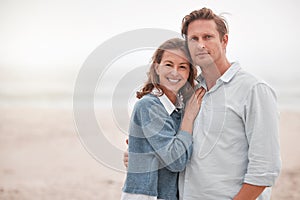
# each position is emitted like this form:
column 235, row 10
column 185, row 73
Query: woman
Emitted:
column 160, row 139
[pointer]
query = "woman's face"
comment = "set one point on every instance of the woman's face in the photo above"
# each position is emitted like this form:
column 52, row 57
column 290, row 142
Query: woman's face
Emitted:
column 173, row 70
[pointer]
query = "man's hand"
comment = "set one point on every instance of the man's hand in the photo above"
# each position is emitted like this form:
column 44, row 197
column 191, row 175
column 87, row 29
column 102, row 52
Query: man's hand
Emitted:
column 125, row 156
column 125, row 159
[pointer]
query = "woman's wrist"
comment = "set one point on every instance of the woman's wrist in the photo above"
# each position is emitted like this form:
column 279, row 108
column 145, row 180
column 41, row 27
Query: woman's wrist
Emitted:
column 187, row 124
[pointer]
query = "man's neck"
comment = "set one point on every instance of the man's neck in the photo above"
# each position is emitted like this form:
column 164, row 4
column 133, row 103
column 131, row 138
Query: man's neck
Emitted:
column 223, row 67
column 213, row 72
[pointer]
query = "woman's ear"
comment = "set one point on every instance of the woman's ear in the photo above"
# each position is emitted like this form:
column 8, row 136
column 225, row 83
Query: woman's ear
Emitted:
column 156, row 68
column 195, row 72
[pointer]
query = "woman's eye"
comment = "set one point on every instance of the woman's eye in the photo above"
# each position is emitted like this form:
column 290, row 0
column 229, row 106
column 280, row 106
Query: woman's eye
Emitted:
column 183, row 67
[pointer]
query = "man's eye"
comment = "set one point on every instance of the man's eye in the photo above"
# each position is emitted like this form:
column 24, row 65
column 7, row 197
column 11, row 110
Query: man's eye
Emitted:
column 168, row 65
column 208, row 37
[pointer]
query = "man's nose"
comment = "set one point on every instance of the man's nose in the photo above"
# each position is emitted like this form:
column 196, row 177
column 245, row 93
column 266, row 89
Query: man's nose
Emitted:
column 200, row 45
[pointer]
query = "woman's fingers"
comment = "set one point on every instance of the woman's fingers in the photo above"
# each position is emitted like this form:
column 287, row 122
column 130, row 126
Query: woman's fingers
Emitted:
column 199, row 94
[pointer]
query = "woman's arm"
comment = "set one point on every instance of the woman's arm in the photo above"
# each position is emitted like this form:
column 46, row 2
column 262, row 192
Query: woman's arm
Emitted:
column 172, row 149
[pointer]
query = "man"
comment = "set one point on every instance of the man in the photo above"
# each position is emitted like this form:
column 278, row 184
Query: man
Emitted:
column 236, row 149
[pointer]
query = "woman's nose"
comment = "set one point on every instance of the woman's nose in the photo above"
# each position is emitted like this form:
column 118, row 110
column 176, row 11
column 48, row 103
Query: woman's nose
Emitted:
column 174, row 70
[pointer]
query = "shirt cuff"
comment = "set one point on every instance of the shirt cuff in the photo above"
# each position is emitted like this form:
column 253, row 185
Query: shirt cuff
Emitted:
column 261, row 179
column 185, row 136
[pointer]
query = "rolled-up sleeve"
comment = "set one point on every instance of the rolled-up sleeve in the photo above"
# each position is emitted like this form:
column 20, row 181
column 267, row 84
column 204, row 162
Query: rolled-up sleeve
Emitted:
column 262, row 131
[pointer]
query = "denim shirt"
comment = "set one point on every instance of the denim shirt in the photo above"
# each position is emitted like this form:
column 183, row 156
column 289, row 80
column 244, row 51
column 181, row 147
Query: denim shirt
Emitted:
column 157, row 150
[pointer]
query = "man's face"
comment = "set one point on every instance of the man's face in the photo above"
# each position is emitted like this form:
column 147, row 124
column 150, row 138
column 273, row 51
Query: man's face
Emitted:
column 204, row 43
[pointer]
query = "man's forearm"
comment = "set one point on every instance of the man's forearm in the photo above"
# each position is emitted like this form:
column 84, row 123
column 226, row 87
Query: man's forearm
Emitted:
column 249, row 192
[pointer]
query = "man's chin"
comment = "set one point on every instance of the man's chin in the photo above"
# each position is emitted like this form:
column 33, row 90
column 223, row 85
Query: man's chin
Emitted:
column 204, row 62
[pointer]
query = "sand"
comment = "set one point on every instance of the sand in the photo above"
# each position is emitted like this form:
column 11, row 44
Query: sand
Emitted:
column 41, row 157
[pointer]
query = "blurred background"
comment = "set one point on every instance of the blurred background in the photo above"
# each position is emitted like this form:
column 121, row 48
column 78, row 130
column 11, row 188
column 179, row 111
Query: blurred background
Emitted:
column 43, row 45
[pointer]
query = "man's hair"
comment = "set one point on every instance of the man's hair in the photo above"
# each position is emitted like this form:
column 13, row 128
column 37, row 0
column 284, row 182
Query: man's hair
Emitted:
column 206, row 14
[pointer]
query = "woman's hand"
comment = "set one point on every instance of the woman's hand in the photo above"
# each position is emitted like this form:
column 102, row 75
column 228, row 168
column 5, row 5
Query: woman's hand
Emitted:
column 191, row 110
column 194, row 103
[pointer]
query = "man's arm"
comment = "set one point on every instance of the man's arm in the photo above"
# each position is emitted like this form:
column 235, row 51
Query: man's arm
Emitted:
column 249, row 192
column 261, row 126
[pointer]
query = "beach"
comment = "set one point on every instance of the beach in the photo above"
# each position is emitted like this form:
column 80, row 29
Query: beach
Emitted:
column 58, row 54
column 41, row 157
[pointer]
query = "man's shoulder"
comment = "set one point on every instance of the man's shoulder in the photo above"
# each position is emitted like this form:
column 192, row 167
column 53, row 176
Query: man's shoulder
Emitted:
column 248, row 79
column 249, row 82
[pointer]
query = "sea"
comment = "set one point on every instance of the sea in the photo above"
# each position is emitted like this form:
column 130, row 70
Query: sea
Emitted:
column 111, row 85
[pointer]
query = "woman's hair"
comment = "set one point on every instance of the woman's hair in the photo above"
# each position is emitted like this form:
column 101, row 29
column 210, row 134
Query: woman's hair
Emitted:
column 206, row 14
column 153, row 78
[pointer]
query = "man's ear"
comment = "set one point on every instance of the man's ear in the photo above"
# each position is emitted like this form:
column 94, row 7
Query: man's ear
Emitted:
column 225, row 41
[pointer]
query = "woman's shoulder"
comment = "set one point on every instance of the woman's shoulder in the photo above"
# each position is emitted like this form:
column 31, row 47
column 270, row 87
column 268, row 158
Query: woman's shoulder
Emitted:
column 147, row 108
column 147, row 101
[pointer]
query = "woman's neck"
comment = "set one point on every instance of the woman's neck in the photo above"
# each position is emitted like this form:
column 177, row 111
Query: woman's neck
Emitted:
column 171, row 95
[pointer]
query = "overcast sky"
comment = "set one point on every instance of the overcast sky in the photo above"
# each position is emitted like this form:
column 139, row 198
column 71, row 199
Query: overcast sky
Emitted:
column 40, row 34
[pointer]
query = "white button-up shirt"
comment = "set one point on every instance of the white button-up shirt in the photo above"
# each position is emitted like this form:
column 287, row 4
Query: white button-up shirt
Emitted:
column 235, row 139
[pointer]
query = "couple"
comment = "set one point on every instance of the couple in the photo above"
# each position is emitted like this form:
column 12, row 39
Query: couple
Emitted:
column 230, row 150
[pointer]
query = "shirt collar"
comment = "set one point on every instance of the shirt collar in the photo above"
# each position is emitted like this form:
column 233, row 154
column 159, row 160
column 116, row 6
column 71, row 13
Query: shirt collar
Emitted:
column 165, row 101
column 226, row 77
column 230, row 72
